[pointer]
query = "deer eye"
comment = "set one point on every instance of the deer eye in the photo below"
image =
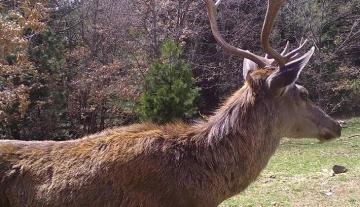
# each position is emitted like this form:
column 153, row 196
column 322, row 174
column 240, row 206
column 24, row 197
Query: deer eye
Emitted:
column 304, row 96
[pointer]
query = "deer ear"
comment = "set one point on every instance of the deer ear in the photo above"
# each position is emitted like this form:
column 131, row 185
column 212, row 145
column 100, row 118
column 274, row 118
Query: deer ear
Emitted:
column 289, row 73
column 248, row 66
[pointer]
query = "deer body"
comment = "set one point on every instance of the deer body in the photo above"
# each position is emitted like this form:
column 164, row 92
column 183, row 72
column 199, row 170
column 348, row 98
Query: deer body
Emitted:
column 148, row 165
column 143, row 165
column 178, row 164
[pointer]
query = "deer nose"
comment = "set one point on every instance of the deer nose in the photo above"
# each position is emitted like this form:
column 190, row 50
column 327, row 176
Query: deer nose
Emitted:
column 333, row 130
column 337, row 128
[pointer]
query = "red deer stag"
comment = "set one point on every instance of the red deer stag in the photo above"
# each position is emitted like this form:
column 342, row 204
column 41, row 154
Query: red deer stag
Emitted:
column 178, row 164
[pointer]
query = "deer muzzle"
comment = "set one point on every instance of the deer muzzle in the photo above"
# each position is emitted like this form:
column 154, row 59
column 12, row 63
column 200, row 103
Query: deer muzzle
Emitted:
column 332, row 132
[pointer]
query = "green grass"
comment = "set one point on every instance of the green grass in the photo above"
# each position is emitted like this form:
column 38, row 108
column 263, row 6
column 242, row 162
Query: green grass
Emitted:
column 300, row 174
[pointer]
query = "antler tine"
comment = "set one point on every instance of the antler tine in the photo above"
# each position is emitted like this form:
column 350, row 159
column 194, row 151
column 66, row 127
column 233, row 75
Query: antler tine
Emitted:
column 288, row 56
column 271, row 13
column 217, row 3
column 212, row 13
column 286, row 49
column 294, row 53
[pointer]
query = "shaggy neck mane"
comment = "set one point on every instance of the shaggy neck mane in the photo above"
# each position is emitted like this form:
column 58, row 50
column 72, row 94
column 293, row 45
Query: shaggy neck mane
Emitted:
column 246, row 114
column 239, row 139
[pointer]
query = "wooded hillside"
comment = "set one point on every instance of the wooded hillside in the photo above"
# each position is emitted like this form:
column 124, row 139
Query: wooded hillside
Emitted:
column 70, row 68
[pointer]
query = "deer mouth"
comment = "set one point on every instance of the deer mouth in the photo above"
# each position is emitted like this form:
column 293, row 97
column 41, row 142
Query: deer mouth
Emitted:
column 329, row 135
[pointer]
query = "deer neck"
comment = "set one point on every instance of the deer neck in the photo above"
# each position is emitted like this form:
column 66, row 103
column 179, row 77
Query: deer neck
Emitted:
column 242, row 133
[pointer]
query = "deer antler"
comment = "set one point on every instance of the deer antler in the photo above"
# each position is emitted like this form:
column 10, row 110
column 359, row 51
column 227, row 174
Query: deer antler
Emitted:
column 272, row 10
column 288, row 56
column 212, row 11
column 271, row 13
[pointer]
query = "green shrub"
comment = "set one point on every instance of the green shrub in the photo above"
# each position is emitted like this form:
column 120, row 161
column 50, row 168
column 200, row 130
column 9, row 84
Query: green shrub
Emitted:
column 170, row 91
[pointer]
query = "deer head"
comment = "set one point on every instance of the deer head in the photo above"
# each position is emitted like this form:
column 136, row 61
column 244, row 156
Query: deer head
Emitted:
column 300, row 117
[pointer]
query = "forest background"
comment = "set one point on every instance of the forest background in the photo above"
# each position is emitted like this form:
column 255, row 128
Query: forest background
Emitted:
column 73, row 67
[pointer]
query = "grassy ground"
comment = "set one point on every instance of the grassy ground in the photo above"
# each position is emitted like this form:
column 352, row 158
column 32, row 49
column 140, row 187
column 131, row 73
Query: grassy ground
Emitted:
column 300, row 174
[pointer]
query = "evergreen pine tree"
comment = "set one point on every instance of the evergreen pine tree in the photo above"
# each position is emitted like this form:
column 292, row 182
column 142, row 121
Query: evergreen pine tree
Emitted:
column 170, row 91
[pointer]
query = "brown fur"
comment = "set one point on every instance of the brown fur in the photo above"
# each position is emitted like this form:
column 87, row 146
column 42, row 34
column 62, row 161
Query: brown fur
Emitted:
column 150, row 165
